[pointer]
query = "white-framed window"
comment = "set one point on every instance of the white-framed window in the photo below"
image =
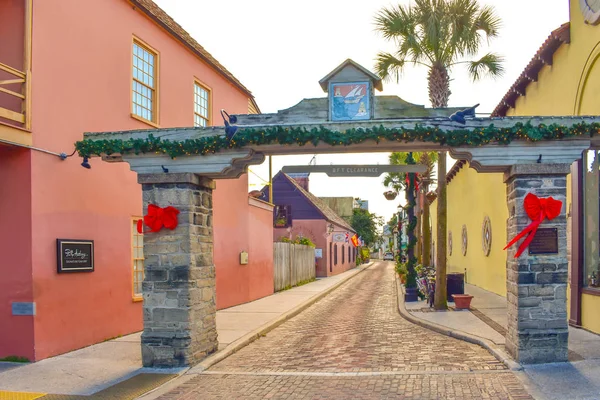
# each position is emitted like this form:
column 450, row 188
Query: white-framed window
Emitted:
column 201, row 105
column 137, row 260
column 144, row 83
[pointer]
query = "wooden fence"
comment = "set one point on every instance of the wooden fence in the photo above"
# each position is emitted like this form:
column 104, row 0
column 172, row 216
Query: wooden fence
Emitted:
column 293, row 263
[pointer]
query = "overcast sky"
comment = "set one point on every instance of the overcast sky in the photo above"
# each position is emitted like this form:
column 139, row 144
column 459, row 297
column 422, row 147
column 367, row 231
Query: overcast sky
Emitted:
column 281, row 49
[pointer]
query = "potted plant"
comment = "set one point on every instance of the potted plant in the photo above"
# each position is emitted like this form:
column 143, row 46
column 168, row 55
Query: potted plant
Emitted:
column 462, row 301
column 280, row 222
column 390, row 195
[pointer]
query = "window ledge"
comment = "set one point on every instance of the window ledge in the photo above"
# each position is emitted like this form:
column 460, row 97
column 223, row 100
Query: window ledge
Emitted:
column 591, row 291
column 137, row 299
column 155, row 125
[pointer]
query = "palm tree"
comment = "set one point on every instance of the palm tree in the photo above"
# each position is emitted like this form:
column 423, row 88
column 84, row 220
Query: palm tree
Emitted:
column 439, row 34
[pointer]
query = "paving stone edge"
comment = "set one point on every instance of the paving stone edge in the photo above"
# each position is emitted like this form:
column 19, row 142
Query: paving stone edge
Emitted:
column 500, row 355
column 245, row 340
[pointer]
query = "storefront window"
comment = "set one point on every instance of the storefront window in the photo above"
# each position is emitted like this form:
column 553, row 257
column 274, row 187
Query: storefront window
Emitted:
column 591, row 219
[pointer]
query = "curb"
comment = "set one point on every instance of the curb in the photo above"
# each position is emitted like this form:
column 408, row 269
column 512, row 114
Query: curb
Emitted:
column 248, row 338
column 500, row 355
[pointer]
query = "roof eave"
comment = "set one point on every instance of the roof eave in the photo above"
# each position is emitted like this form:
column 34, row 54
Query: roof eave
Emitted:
column 542, row 57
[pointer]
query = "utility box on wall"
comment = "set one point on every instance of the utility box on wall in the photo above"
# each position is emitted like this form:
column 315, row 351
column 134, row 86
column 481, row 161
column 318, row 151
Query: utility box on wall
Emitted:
column 243, row 258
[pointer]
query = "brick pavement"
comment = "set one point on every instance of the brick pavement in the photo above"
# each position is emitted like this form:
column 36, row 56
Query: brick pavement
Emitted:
column 356, row 330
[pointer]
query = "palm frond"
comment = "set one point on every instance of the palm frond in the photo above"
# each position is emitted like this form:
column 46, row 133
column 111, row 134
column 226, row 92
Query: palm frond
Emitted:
column 488, row 22
column 388, row 67
column 488, row 65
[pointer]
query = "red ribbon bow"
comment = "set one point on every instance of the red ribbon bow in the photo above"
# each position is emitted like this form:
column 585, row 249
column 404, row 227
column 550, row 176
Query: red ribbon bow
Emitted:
column 158, row 217
column 537, row 209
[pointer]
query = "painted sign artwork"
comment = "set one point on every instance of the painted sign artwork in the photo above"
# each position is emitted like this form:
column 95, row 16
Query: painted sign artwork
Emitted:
column 350, row 101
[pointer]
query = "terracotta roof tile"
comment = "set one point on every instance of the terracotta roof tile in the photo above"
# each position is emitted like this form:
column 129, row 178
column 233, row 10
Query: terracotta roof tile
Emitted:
column 530, row 74
column 156, row 13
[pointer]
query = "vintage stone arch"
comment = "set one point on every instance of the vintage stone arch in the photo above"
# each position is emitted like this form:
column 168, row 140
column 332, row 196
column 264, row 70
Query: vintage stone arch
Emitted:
column 179, row 287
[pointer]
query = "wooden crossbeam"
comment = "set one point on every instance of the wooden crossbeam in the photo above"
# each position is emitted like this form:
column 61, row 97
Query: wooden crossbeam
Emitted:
column 19, row 95
column 11, row 81
column 14, row 116
column 12, row 71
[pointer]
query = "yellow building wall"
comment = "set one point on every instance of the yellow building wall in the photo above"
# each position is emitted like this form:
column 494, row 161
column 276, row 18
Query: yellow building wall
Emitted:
column 570, row 86
column 472, row 197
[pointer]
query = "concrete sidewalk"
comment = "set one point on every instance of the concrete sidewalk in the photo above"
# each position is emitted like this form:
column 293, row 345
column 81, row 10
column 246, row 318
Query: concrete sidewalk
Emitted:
column 95, row 368
column 486, row 322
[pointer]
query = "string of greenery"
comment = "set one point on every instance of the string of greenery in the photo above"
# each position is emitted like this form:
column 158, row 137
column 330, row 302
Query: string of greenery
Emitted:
column 302, row 136
column 411, row 276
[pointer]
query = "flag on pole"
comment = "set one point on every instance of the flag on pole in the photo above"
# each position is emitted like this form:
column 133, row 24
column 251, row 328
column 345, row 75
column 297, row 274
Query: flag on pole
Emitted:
column 347, row 237
column 354, row 240
column 361, row 242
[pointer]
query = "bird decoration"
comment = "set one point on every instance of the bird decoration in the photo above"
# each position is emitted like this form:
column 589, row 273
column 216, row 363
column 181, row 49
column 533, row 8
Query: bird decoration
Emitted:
column 460, row 116
column 230, row 128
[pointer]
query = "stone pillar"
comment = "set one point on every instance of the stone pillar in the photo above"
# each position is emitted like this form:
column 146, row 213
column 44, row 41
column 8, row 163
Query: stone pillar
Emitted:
column 179, row 284
column 536, row 284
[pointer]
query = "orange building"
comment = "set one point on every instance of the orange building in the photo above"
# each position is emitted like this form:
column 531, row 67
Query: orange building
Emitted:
column 70, row 66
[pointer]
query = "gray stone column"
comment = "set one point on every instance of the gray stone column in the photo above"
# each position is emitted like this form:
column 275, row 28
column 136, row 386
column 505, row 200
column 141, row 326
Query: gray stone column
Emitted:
column 179, row 284
column 536, row 284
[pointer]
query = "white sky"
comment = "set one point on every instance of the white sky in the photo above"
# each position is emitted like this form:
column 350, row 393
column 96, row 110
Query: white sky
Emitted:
column 281, row 49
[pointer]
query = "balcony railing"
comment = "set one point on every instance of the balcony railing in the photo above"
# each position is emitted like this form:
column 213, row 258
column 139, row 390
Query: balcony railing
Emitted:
column 15, row 89
column 20, row 78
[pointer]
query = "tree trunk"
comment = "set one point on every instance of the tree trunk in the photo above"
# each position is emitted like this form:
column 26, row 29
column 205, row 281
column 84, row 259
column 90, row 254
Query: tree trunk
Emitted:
column 418, row 233
column 439, row 86
column 425, row 226
column 440, row 271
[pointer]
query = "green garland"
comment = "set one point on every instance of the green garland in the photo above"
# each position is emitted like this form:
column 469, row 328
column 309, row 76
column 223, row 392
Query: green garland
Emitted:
column 411, row 276
column 302, row 136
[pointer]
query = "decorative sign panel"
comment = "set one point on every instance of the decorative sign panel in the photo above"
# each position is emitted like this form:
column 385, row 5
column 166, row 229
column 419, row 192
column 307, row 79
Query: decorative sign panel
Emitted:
column 465, row 240
column 545, row 241
column 486, row 236
column 22, row 308
column 354, row 170
column 339, row 237
column 319, row 253
column 75, row 255
column 350, row 101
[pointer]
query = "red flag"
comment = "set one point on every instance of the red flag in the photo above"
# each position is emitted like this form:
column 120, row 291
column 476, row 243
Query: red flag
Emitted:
column 354, row 240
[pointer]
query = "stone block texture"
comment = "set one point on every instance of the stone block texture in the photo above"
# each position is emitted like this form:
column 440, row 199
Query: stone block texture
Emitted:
column 537, row 284
column 179, row 284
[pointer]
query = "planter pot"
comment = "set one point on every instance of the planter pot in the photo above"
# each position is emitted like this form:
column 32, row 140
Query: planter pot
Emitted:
column 410, row 295
column 390, row 195
column 462, row 301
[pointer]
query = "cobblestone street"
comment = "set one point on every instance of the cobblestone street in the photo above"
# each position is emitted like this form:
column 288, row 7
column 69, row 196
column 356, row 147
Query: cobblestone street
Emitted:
column 353, row 344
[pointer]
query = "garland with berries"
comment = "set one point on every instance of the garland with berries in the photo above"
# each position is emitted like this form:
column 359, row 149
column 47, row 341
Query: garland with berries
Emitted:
column 303, row 136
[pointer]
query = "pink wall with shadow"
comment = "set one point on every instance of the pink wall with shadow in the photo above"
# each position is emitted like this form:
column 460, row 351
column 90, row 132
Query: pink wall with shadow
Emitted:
column 239, row 227
column 84, row 85
column 16, row 332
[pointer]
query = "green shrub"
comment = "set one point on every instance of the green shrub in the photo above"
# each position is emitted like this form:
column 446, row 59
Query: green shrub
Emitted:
column 16, row 359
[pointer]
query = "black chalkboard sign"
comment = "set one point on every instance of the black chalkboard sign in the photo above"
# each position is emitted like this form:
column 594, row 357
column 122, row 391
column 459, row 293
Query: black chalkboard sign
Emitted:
column 545, row 241
column 75, row 255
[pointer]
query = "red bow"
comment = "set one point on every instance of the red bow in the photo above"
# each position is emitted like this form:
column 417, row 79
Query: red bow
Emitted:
column 416, row 181
column 537, row 209
column 158, row 217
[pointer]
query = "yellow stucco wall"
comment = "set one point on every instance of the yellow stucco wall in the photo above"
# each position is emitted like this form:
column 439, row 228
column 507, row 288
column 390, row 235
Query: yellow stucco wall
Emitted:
column 570, row 86
column 471, row 197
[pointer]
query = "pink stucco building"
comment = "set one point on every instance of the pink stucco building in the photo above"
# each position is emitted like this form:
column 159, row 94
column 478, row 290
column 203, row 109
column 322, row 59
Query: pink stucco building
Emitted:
column 71, row 66
column 300, row 213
